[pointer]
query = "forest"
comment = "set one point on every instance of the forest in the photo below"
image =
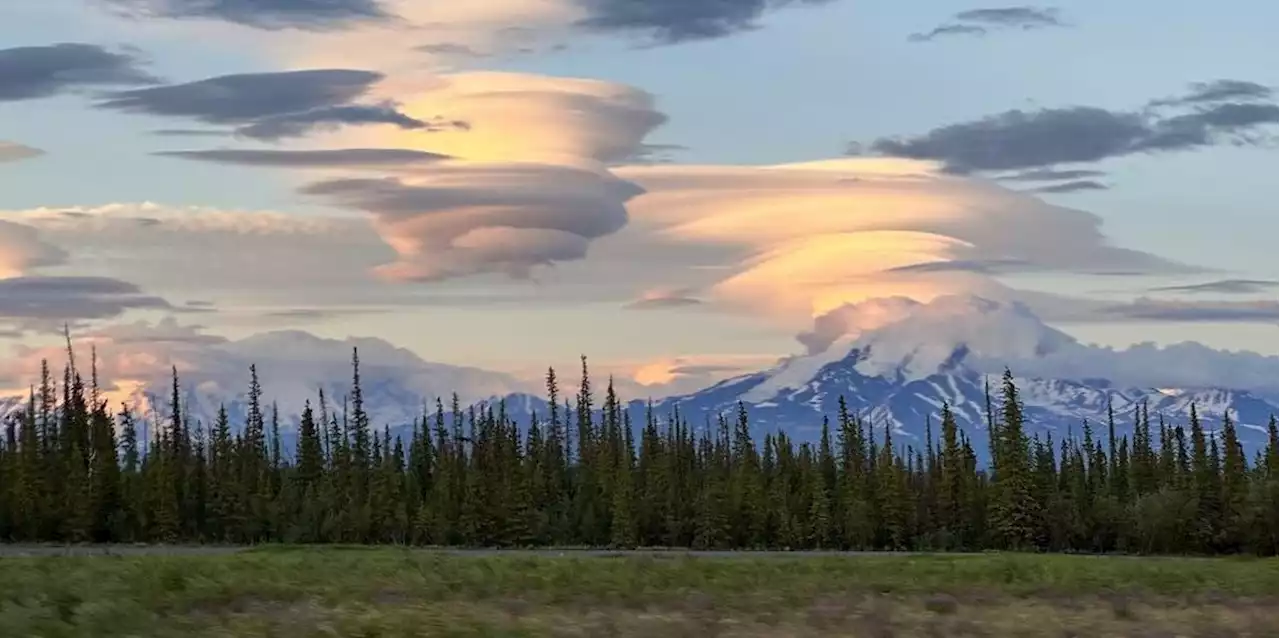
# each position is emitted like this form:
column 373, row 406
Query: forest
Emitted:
column 73, row 469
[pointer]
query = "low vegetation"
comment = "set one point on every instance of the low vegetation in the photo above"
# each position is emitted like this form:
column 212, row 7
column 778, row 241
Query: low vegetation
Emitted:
column 291, row 591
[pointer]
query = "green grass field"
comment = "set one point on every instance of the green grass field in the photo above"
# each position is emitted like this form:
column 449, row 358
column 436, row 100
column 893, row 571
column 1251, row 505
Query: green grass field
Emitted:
column 393, row 592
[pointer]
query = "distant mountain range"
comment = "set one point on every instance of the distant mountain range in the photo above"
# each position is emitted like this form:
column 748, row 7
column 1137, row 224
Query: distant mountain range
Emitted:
column 904, row 360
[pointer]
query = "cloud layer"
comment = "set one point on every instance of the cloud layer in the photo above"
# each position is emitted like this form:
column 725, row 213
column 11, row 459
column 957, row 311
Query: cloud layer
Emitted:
column 270, row 106
column 527, row 184
column 658, row 21
column 1224, row 112
column 673, row 21
column 262, row 14
column 796, row 241
column 42, row 71
column 980, row 22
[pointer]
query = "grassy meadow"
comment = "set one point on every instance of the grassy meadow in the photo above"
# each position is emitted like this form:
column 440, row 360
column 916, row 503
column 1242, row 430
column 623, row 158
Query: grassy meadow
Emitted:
column 368, row 592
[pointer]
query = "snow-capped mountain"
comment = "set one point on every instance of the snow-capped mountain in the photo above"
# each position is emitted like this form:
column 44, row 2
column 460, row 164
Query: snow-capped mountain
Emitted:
column 900, row 372
column 895, row 362
column 292, row 366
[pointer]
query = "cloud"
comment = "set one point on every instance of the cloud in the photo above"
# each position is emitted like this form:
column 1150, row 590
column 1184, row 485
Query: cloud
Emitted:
column 674, row 21
column 45, row 303
column 1020, row 139
column 980, row 22
column 345, row 157
column 1219, row 91
column 1266, row 311
column 983, row 266
column 795, row 241
column 189, row 132
column 316, row 15
column 528, row 185
column 135, row 359
column 517, row 117
column 659, row 298
column 948, row 30
column 317, row 314
column 13, row 151
column 1017, row 140
column 298, row 124
column 268, row 105
column 463, row 218
column 43, row 71
column 673, row 376
column 1016, row 17
column 1049, row 175
column 280, row 259
column 1224, row 286
column 22, row 249
column 1072, row 187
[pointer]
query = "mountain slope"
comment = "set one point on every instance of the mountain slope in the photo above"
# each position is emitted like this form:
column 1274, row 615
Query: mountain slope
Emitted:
column 900, row 374
column 898, row 363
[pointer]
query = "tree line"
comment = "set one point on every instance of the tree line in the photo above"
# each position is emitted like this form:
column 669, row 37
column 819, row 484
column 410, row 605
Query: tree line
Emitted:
column 582, row 474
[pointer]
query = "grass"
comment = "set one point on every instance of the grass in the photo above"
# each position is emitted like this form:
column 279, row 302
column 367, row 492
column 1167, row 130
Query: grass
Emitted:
column 392, row 592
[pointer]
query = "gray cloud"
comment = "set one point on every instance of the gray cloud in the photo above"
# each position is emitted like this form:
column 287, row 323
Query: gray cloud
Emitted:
column 1050, row 175
column 13, row 151
column 190, row 132
column 674, row 21
column 42, row 71
column 312, row 15
column 1074, row 186
column 234, row 99
column 1219, row 91
column 1023, row 17
column 1016, row 140
column 980, row 22
column 44, row 303
column 298, row 124
column 1224, row 286
column 1266, row 311
column 653, row 154
column 946, row 30
column 332, row 157
column 1019, row 139
column 270, row 105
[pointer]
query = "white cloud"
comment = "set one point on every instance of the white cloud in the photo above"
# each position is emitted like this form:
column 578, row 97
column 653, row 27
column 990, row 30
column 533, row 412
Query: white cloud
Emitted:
column 797, row 241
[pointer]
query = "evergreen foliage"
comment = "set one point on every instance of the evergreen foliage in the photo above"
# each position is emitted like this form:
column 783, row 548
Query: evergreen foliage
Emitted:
column 71, row 471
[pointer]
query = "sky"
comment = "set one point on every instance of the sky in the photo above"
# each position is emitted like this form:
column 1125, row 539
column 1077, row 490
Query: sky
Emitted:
column 679, row 189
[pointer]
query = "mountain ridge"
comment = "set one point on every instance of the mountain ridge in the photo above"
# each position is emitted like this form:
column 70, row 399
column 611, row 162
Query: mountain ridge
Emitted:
column 895, row 361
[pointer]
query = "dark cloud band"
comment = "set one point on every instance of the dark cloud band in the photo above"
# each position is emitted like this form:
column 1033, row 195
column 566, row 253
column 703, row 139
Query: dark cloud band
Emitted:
column 980, row 22
column 1020, row 140
column 271, row 106
column 333, row 157
column 43, row 71
column 312, row 15
column 674, row 21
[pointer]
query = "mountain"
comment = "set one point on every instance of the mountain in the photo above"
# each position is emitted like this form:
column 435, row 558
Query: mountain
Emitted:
column 896, row 362
column 292, row 366
column 900, row 372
